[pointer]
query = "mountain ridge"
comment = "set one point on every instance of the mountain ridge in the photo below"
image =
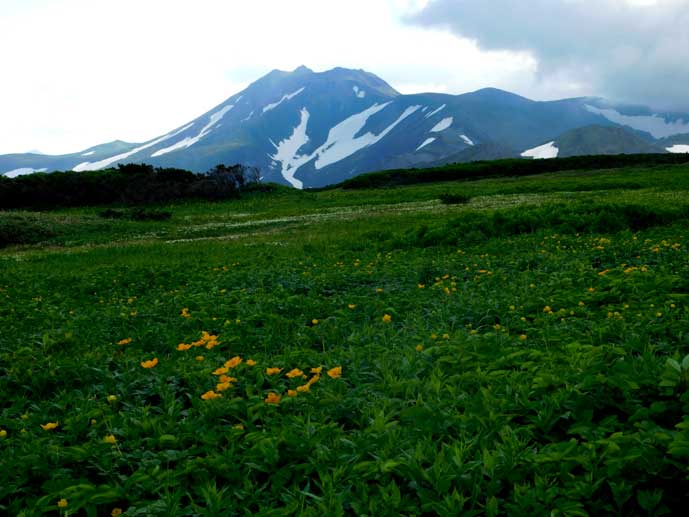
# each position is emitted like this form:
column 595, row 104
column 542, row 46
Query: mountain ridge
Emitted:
column 311, row 129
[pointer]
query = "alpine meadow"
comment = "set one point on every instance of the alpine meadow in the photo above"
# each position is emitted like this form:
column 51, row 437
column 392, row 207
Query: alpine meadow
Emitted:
column 344, row 258
column 470, row 345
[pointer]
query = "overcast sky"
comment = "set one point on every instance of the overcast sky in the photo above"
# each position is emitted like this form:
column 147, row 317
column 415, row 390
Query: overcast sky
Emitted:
column 77, row 73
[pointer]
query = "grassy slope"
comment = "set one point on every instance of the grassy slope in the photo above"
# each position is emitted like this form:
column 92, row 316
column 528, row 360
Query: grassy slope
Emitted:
column 475, row 397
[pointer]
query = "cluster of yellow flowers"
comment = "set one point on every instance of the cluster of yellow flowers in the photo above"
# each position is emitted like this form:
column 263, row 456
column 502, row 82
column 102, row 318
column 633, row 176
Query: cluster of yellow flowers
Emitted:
column 225, row 382
column 210, row 341
column 185, row 313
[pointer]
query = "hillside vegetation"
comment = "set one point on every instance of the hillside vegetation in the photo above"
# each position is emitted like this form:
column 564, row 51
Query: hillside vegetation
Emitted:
column 495, row 346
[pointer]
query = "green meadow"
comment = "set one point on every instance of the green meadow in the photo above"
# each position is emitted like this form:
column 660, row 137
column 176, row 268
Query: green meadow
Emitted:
column 499, row 346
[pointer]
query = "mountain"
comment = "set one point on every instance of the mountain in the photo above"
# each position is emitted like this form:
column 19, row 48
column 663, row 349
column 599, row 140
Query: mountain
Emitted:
column 311, row 129
column 595, row 140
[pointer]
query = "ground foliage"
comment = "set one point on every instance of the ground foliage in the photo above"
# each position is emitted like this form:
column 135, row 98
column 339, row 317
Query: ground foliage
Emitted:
column 371, row 353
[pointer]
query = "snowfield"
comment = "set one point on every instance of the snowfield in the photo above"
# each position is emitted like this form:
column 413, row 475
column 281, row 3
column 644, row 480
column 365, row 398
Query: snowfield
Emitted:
column 102, row 164
column 22, row 172
column 191, row 140
column 654, row 124
column 287, row 97
column 428, row 141
column 441, row 108
column 443, row 125
column 467, row 140
column 542, row 152
column 286, row 151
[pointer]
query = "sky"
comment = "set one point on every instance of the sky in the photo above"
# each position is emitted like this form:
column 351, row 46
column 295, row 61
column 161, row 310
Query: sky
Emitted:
column 77, row 73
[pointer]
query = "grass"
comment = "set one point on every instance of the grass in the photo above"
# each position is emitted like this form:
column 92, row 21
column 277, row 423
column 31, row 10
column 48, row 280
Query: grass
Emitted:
column 520, row 352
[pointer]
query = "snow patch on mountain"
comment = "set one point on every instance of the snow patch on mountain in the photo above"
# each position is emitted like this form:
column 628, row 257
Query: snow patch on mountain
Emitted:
column 654, row 124
column 191, row 140
column 342, row 141
column 678, row 149
column 441, row 108
column 467, row 140
column 89, row 153
column 358, row 92
column 247, row 118
column 287, row 97
column 443, row 125
column 286, row 151
column 542, row 152
column 102, row 164
column 428, row 141
column 23, row 172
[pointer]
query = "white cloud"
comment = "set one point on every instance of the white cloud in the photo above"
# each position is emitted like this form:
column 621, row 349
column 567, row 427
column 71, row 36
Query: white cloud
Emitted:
column 81, row 72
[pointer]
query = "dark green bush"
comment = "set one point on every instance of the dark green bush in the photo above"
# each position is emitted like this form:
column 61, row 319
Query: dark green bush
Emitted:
column 21, row 229
column 454, row 199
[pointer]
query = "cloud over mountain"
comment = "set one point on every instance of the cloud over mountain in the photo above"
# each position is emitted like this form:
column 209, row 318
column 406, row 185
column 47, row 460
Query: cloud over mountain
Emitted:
column 633, row 50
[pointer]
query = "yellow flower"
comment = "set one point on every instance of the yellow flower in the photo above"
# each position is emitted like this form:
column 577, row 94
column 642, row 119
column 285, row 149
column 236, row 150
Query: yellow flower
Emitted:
column 304, row 388
column 233, row 363
column 273, row 371
column 313, row 380
column 317, row 371
column 112, row 398
column 222, row 386
column 62, row 503
column 295, row 373
column 3, row 433
column 238, row 427
column 125, row 341
column 221, row 371
column 387, row 318
column 272, row 398
column 522, row 337
column 422, row 286
column 352, row 306
column 335, row 373
column 314, row 321
column 110, row 439
column 419, row 348
column 547, row 309
column 225, row 378
column 185, row 313
column 150, row 364
column 50, row 426
column 379, row 290
column 291, row 393
column 116, row 511
column 199, row 358
column 591, row 289
column 183, row 347
column 250, row 362
column 210, row 395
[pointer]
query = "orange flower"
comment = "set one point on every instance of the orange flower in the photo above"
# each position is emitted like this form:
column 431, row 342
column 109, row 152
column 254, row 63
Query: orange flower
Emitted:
column 273, row 398
column 233, row 363
column 223, row 386
column 251, row 362
column 210, row 395
column 125, row 341
column 314, row 380
column 225, row 378
column 317, row 371
column 183, row 348
column 335, row 373
column 291, row 393
column 221, row 371
column 387, row 318
column 295, row 373
column 304, row 388
column 149, row 364
column 185, row 313
column 273, row 371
